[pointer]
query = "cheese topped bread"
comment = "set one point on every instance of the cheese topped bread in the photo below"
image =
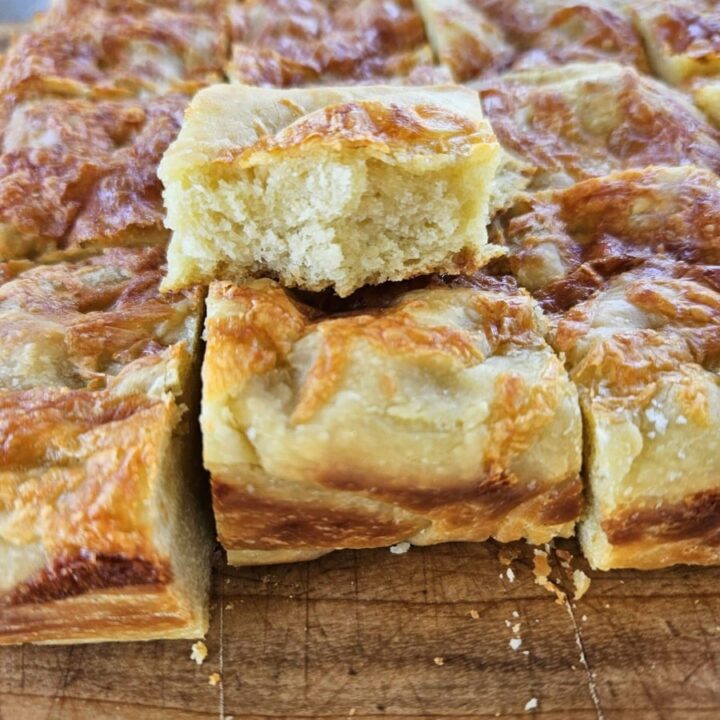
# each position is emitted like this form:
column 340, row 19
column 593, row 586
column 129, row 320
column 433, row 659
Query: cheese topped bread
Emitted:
column 103, row 531
column 328, row 187
column 423, row 415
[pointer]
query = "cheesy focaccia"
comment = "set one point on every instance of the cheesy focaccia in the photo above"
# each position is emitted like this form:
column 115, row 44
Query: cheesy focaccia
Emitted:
column 103, row 533
column 104, row 54
column 564, row 244
column 423, row 415
column 645, row 355
column 294, row 43
column 586, row 120
column 629, row 265
column 81, row 174
column 328, row 187
column 479, row 38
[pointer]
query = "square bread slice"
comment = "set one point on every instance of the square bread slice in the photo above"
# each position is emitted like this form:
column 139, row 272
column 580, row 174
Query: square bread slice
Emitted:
column 299, row 43
column 104, row 520
column 627, row 267
column 102, row 54
column 328, row 187
column 428, row 415
column 82, row 174
column 586, row 120
column 645, row 356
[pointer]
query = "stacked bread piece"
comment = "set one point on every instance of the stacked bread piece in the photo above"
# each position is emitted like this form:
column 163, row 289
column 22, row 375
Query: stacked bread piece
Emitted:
column 379, row 368
column 104, row 526
column 364, row 382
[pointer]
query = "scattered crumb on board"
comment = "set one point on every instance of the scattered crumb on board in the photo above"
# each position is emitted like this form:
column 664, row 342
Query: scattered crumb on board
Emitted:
column 474, row 614
column 531, row 704
column 214, row 679
column 582, row 583
column 439, row 660
column 199, row 652
column 400, row 549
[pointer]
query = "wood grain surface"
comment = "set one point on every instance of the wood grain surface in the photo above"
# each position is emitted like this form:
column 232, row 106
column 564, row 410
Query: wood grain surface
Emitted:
column 369, row 634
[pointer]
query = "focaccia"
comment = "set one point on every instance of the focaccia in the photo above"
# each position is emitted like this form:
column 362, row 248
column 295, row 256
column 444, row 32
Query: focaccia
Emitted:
column 586, row 120
column 103, row 530
column 645, row 356
column 328, row 187
column 103, row 54
column 629, row 267
column 81, row 174
column 479, row 38
column 424, row 415
column 296, row 43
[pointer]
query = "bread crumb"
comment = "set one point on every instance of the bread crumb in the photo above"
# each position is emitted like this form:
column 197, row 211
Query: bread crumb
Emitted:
column 474, row 614
column 531, row 704
column 439, row 660
column 510, row 574
column 214, row 679
column 199, row 652
column 229, row 606
column 516, row 628
column 584, row 618
column 515, row 614
column 541, row 570
column 515, row 643
column 582, row 583
column 400, row 549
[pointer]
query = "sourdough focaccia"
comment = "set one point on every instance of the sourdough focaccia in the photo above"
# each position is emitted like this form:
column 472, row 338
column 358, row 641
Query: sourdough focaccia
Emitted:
column 425, row 415
column 103, row 532
column 81, row 174
column 328, row 187
column 479, row 38
column 103, row 54
column 295, row 43
column 629, row 265
column 645, row 355
column 586, row 120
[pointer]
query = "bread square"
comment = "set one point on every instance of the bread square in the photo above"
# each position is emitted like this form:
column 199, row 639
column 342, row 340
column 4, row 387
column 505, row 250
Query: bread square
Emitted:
column 297, row 43
column 585, row 120
column 425, row 415
column 328, row 187
column 627, row 267
column 104, row 533
column 82, row 174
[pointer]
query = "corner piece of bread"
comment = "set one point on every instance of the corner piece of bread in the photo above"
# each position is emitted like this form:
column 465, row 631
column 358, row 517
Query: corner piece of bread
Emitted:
column 105, row 532
column 429, row 415
column 329, row 187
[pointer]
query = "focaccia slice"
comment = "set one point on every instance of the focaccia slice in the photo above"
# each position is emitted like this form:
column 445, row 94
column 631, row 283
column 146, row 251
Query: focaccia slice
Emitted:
column 586, row 120
column 628, row 265
column 81, row 174
column 297, row 43
column 646, row 358
column 104, row 533
column 428, row 415
column 104, row 54
column 328, row 187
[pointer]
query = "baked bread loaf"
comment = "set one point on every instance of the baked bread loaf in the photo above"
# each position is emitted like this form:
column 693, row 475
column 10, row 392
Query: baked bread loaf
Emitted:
column 628, row 266
column 295, row 43
column 427, row 415
column 586, row 120
column 328, row 187
column 103, row 529
column 77, row 174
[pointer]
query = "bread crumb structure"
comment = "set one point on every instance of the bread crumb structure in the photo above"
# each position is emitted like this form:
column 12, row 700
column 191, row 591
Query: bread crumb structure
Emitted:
column 329, row 187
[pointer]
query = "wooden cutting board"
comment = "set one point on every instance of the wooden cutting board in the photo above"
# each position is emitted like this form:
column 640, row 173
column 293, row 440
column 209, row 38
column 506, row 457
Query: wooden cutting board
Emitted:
column 427, row 634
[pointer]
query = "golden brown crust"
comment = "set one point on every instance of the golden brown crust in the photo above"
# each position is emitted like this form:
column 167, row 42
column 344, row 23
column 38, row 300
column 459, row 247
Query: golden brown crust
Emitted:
column 585, row 121
column 284, row 455
column 286, row 43
column 103, row 54
column 74, row 173
column 563, row 244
